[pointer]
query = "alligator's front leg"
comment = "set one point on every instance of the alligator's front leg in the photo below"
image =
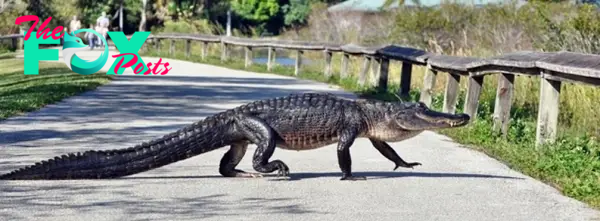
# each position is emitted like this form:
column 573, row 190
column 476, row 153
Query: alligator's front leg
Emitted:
column 232, row 158
column 343, row 153
column 260, row 133
column 391, row 155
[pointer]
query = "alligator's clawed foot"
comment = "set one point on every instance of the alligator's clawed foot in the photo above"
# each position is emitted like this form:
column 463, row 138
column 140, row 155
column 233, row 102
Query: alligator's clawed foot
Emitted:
column 241, row 173
column 407, row 165
column 354, row 178
column 283, row 173
column 282, row 169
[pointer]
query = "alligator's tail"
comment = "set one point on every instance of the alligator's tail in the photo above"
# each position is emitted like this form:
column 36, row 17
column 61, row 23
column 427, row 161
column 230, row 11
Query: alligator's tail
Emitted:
column 187, row 142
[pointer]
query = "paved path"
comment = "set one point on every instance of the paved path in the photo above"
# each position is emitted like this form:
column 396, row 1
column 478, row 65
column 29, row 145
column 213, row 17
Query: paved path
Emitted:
column 454, row 183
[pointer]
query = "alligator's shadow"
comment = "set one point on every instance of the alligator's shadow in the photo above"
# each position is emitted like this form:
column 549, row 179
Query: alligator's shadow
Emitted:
column 369, row 174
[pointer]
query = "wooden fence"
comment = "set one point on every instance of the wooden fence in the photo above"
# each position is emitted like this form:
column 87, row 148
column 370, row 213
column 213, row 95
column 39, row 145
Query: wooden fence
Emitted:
column 552, row 68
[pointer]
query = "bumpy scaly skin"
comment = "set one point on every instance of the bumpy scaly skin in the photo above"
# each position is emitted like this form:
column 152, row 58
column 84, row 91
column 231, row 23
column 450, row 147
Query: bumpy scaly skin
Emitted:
column 296, row 122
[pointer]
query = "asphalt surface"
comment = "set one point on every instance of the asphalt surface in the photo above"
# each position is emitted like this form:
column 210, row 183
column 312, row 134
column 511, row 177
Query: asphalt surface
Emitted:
column 454, row 183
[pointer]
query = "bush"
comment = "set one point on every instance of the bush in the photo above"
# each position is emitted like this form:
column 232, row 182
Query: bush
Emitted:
column 200, row 26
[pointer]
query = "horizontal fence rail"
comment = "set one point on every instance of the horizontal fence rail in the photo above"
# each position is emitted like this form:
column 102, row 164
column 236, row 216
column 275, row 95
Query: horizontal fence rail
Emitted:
column 553, row 68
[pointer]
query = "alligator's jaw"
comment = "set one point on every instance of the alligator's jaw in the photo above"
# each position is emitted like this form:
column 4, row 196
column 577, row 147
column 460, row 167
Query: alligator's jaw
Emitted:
column 427, row 119
column 392, row 135
column 437, row 120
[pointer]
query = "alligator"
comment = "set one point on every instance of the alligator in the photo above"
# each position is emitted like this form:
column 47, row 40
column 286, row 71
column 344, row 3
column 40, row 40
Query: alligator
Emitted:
column 295, row 122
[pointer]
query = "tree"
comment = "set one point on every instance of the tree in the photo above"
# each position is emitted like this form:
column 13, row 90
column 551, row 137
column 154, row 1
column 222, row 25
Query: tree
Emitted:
column 91, row 9
column 296, row 13
column 142, row 26
column 8, row 13
column 255, row 10
column 260, row 12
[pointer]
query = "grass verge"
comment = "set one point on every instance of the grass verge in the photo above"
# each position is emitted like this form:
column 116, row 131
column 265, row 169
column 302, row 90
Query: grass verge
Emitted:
column 21, row 93
column 571, row 165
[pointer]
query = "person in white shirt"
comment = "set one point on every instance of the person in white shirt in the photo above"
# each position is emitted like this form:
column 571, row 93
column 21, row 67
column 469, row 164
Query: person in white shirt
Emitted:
column 74, row 25
column 102, row 24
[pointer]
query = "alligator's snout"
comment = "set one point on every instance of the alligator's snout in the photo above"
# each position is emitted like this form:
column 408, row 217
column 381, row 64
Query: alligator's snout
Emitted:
column 461, row 120
column 429, row 119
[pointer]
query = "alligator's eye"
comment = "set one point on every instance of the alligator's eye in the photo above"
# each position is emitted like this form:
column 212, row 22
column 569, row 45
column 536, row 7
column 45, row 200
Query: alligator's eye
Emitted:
column 77, row 41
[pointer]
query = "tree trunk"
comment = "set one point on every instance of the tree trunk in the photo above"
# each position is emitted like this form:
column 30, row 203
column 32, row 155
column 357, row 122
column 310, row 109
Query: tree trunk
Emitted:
column 121, row 16
column 143, row 20
column 229, row 22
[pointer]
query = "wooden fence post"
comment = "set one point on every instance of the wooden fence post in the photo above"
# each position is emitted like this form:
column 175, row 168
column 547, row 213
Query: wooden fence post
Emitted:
column 14, row 43
column 504, row 95
column 21, row 39
column 248, row 62
column 328, row 55
column 472, row 97
column 428, row 86
column 362, row 77
column 188, row 45
column 204, row 49
column 375, row 67
column 344, row 71
column 451, row 95
column 298, row 62
column 224, row 52
column 172, row 47
column 405, row 79
column 270, row 58
column 157, row 45
column 547, row 122
column 383, row 74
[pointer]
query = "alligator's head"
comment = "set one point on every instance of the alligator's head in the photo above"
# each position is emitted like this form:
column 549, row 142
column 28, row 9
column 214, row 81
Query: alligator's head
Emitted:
column 416, row 116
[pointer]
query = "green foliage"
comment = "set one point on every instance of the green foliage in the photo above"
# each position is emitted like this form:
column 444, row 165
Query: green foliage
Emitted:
column 21, row 93
column 296, row 12
column 11, row 11
column 255, row 10
column 495, row 29
column 60, row 11
column 185, row 11
column 90, row 10
column 201, row 26
column 64, row 10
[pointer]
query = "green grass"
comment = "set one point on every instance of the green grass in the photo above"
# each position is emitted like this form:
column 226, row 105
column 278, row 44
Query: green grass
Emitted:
column 21, row 93
column 7, row 55
column 571, row 165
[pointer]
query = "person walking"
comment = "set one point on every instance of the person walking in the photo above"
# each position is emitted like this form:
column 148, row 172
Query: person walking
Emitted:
column 74, row 25
column 91, row 37
column 102, row 24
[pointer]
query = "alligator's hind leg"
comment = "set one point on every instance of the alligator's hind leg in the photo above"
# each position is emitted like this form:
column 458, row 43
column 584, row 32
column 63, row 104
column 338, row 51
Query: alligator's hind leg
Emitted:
column 232, row 158
column 260, row 133
column 391, row 155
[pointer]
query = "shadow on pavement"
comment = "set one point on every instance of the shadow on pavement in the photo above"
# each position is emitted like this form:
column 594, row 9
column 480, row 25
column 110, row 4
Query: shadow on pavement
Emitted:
column 384, row 175
column 369, row 175
column 54, row 197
